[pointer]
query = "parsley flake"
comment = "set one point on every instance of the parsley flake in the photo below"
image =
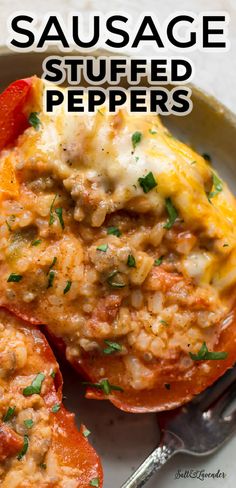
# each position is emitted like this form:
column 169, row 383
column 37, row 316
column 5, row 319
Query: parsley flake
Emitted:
column 56, row 408
column 102, row 248
column 111, row 347
column 59, row 212
column 53, row 374
column 158, row 261
column 36, row 242
column 172, row 213
column 131, row 261
column 9, row 414
column 35, row 387
column 163, row 322
column 14, row 278
column 114, row 231
column 104, row 385
column 204, row 354
column 136, row 138
column 217, row 186
column 52, row 263
column 67, row 287
column 94, row 482
column 153, row 131
column 148, row 182
column 29, row 423
column 51, row 276
column 86, row 432
column 24, row 448
column 167, row 386
column 34, row 120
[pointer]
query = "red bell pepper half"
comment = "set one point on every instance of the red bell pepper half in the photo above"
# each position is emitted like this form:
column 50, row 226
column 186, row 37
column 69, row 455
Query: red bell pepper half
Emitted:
column 13, row 119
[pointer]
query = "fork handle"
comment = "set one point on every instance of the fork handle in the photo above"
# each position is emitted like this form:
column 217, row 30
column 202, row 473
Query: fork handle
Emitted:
column 169, row 445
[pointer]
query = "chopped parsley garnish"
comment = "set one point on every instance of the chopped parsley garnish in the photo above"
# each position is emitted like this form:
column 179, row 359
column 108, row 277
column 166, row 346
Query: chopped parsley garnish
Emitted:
column 36, row 242
column 172, row 213
column 12, row 219
column 56, row 408
column 111, row 347
column 51, row 273
column 14, row 278
column 35, row 387
column 51, row 216
column 136, row 138
column 94, row 482
column 43, row 465
column 53, row 374
column 204, row 354
column 131, row 261
column 34, row 120
column 158, row 261
column 217, row 186
column 86, row 432
column 29, row 423
column 207, row 157
column 163, row 322
column 51, row 276
column 153, row 131
column 104, row 385
column 225, row 245
column 102, row 248
column 114, row 231
column 53, row 263
column 111, row 280
column 148, row 182
column 67, row 287
column 167, row 386
column 24, row 448
column 9, row 414
column 59, row 212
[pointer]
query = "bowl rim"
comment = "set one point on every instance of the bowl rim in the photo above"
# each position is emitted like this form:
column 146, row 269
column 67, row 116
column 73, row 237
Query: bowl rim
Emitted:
column 201, row 94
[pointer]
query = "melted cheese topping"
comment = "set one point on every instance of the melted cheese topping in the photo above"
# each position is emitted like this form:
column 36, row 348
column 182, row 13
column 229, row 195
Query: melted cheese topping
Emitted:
column 97, row 151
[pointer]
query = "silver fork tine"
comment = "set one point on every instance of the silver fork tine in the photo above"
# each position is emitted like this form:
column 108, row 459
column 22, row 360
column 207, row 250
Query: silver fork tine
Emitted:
column 227, row 425
column 227, row 397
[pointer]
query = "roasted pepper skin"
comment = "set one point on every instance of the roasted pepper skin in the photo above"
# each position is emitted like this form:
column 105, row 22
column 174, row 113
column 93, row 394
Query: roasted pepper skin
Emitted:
column 13, row 117
column 70, row 447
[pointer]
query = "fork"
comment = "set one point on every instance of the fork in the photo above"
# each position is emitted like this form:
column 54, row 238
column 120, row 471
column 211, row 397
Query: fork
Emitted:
column 198, row 428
